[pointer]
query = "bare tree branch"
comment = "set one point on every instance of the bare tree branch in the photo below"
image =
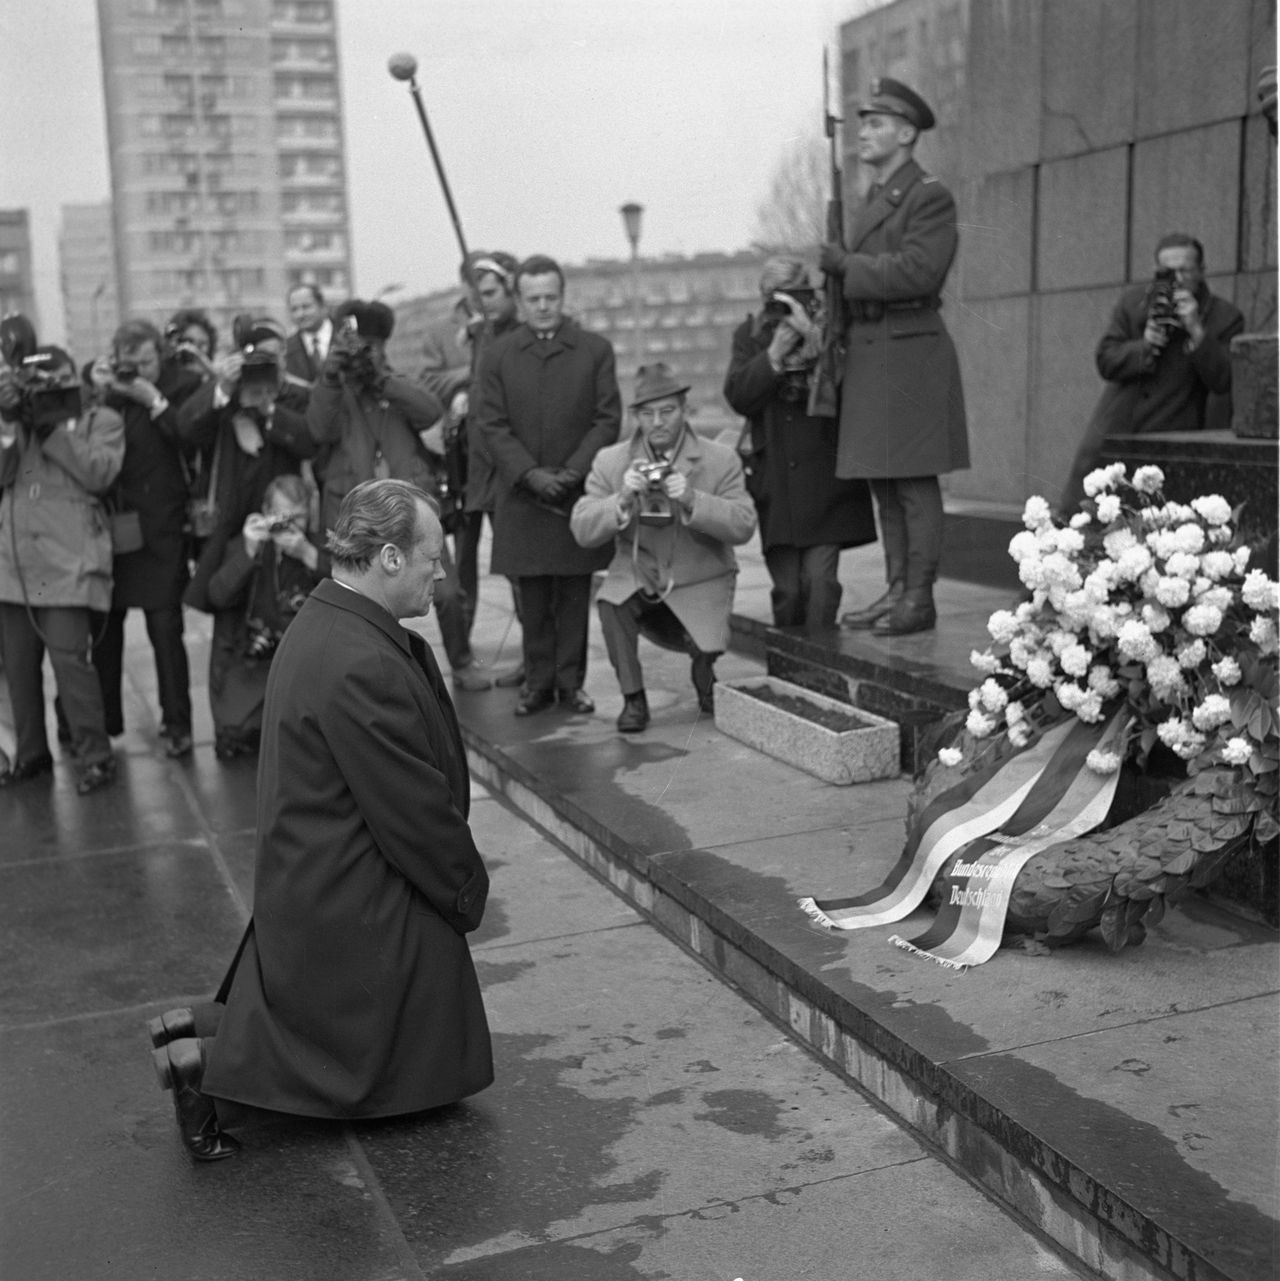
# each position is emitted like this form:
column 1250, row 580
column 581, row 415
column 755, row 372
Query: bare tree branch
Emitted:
column 792, row 218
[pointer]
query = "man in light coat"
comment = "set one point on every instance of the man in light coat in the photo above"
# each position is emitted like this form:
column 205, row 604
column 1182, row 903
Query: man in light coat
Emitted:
column 354, row 993
column 55, row 567
column 674, row 506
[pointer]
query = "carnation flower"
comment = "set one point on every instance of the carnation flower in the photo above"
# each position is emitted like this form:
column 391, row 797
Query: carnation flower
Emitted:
column 1135, row 641
column 1108, row 508
column 1103, row 478
column 1118, row 541
column 1237, row 751
column 1227, row 670
column 1014, row 714
column 1173, row 732
column 1240, row 559
column 1070, row 541
column 1003, row 626
column 1070, row 695
column 1148, row 480
column 994, row 699
column 1214, row 711
column 1024, row 545
column 975, row 699
column 1037, row 512
column 1218, row 597
column 1173, row 593
column 1184, row 565
column 984, row 662
column 1156, row 619
column 950, row 756
column 1213, row 508
column 1080, row 520
column 1040, row 672
column 1262, row 632
column 1202, row 620
column 1165, row 677
column 1220, row 534
column 1259, row 592
column 1101, row 762
column 979, row 725
column 1020, row 735
column 1089, row 709
column 1190, row 538
column 1075, row 660
column 1192, row 654
column 1133, row 563
column 1101, row 679
column 1216, row 565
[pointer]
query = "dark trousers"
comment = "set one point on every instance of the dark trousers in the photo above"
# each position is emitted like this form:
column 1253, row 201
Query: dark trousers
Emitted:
column 806, row 585
column 554, row 609
column 910, row 512
column 173, row 676
column 67, row 634
column 623, row 625
column 454, row 611
column 466, row 555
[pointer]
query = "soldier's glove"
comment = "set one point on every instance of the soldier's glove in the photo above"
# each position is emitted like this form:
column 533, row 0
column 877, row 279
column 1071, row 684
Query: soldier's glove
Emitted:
column 831, row 260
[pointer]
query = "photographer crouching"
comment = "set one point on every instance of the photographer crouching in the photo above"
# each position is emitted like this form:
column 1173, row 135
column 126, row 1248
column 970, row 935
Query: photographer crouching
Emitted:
column 381, row 426
column 674, row 506
column 265, row 576
column 56, row 462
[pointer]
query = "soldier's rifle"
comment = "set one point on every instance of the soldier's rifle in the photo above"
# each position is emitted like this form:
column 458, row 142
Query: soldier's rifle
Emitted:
column 824, row 392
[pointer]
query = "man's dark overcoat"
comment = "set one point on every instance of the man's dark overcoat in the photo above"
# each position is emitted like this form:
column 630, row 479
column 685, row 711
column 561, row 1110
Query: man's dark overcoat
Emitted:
column 902, row 404
column 355, row 994
column 793, row 483
column 545, row 402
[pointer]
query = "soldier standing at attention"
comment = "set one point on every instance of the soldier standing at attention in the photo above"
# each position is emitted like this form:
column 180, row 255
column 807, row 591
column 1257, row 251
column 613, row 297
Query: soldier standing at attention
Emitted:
column 902, row 420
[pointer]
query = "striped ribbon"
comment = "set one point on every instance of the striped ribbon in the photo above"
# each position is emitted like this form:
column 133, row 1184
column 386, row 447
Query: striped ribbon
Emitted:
column 981, row 802
column 1068, row 800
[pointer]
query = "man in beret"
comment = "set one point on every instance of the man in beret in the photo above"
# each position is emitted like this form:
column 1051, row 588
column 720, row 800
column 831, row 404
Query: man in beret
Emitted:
column 673, row 507
column 902, row 419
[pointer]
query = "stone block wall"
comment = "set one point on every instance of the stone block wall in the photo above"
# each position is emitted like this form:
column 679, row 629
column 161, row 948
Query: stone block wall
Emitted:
column 1080, row 131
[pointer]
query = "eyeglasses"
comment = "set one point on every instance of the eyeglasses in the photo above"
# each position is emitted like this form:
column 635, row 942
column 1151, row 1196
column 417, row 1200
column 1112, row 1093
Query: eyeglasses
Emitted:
column 665, row 414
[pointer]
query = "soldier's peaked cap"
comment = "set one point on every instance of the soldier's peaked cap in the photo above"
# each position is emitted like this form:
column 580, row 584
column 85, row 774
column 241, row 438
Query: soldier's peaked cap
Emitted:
column 893, row 98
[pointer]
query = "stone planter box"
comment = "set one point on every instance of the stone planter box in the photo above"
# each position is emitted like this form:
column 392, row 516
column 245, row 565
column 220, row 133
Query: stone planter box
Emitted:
column 865, row 747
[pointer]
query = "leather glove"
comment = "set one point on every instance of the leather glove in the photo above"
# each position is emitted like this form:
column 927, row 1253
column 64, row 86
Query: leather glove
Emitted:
column 569, row 479
column 544, row 483
column 831, row 260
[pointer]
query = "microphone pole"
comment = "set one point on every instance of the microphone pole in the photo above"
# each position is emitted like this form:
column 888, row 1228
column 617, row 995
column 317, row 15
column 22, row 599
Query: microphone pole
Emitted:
column 404, row 66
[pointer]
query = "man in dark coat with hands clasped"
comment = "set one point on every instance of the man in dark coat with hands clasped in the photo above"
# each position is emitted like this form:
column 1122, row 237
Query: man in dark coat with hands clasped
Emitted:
column 354, row 993
column 902, row 419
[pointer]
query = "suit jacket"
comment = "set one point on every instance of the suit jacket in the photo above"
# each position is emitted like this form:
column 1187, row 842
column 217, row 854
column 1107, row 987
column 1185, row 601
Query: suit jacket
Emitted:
column 902, row 404
column 354, row 994
column 545, row 403
column 693, row 555
column 298, row 360
column 1171, row 391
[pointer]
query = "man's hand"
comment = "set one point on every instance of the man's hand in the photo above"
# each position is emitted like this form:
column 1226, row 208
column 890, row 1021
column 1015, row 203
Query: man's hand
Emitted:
column 679, row 490
column 831, row 259
column 139, row 390
column 634, row 480
column 1155, row 336
column 248, row 434
column 1184, row 302
column 785, row 340
column 293, row 542
column 459, row 405
column 10, row 393
column 227, row 372
column 256, row 531
column 569, row 479
column 544, row 483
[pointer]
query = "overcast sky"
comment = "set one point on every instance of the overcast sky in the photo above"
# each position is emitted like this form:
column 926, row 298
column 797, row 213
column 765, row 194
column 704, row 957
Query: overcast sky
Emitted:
column 549, row 114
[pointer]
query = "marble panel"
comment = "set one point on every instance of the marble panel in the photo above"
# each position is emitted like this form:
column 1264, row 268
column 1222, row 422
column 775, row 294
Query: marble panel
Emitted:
column 995, row 216
column 1255, row 295
column 1064, row 383
column 1088, row 94
column 1258, row 198
column 1002, row 82
column 1191, row 63
column 1187, row 181
column 1081, row 240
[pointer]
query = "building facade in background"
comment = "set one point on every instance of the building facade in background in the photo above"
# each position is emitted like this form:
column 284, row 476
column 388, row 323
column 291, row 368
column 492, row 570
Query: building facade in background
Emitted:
column 87, row 271
column 1072, row 142
column 224, row 125
column 17, row 285
column 689, row 308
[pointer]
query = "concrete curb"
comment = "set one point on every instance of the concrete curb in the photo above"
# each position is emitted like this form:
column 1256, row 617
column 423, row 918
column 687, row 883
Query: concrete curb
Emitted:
column 1094, row 1224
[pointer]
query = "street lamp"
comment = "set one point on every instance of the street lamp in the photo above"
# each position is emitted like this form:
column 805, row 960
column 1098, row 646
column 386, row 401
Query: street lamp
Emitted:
column 631, row 213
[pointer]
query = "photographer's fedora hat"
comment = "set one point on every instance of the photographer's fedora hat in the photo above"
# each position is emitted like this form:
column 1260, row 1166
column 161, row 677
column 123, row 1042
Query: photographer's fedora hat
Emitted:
column 656, row 382
column 893, row 98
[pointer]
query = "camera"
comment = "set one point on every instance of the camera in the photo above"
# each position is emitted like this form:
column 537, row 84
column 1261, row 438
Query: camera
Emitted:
column 260, row 368
column 654, row 473
column 279, row 524
column 261, row 641
column 124, row 371
column 776, row 308
column 184, row 352
column 45, row 399
column 1161, row 308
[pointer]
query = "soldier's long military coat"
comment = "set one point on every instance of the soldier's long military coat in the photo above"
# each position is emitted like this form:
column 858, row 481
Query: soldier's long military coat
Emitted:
column 902, row 405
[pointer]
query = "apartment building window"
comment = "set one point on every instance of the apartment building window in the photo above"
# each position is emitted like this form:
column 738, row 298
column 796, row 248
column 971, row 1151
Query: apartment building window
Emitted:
column 301, row 11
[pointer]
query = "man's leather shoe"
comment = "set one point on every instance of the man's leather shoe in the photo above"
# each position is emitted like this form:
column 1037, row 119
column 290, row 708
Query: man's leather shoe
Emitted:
column 510, row 680
column 173, row 1025
column 97, row 775
column 21, row 771
column 534, row 700
column 860, row 619
column 907, row 616
column 704, row 679
column 178, row 744
column 180, row 1067
column 635, row 713
column 470, row 679
column 578, row 701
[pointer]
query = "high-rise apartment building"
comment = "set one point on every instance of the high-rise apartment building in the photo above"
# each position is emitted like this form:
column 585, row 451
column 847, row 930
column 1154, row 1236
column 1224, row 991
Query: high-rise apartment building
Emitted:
column 17, row 288
column 224, row 123
column 87, row 268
